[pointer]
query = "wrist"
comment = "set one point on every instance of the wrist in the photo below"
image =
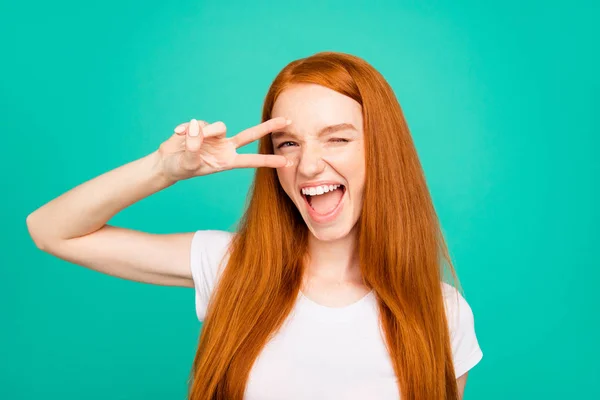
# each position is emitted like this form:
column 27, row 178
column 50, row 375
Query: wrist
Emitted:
column 159, row 177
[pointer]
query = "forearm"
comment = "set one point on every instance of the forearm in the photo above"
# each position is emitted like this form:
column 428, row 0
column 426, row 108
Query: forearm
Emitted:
column 90, row 205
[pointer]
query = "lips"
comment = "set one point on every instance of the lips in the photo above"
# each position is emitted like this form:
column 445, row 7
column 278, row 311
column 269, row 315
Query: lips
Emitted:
column 315, row 217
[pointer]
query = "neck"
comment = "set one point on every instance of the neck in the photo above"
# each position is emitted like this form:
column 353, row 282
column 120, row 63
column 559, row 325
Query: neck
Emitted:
column 333, row 261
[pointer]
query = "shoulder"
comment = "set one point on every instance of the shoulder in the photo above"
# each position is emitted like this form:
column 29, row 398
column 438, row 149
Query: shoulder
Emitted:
column 458, row 311
column 211, row 239
column 209, row 254
column 461, row 323
column 209, row 248
column 212, row 236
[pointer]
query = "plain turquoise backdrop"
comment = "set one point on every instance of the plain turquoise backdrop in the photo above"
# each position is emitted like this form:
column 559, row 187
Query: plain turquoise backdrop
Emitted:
column 502, row 102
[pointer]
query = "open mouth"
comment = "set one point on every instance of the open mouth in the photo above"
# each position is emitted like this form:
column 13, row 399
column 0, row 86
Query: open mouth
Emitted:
column 327, row 201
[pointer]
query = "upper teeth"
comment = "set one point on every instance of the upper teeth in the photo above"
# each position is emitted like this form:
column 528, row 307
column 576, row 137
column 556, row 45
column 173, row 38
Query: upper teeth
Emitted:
column 317, row 190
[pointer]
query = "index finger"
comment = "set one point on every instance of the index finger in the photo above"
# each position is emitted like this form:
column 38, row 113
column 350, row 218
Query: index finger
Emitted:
column 251, row 134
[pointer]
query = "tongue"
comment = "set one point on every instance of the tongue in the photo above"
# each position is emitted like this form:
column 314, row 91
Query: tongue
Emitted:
column 326, row 202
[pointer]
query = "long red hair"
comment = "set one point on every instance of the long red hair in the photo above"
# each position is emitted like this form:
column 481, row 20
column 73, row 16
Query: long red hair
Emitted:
column 400, row 243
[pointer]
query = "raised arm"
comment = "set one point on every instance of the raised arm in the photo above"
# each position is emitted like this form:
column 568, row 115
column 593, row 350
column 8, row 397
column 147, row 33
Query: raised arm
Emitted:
column 74, row 225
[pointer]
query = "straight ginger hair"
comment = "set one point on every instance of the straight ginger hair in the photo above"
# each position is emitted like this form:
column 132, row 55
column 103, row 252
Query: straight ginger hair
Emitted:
column 400, row 245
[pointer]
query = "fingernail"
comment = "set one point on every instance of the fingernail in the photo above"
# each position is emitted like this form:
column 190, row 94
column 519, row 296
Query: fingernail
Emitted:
column 194, row 128
column 288, row 121
column 180, row 129
column 289, row 163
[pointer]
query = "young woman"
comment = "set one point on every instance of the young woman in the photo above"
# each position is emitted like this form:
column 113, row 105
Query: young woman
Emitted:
column 332, row 285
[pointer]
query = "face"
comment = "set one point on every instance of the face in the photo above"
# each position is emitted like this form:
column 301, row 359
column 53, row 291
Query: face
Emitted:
column 326, row 142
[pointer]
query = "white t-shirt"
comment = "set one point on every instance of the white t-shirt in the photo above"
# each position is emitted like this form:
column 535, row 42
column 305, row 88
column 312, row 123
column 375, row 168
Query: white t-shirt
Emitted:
column 326, row 352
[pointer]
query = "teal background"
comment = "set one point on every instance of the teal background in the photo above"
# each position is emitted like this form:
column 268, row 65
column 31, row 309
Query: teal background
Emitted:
column 502, row 101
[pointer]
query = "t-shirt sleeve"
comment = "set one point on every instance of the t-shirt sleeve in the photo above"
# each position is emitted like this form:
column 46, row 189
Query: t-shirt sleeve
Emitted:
column 209, row 254
column 465, row 347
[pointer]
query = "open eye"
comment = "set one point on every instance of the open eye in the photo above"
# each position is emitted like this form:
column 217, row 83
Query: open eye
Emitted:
column 284, row 144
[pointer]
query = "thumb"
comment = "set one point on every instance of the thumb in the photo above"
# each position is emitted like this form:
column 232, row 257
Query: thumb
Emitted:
column 194, row 137
column 181, row 129
column 193, row 143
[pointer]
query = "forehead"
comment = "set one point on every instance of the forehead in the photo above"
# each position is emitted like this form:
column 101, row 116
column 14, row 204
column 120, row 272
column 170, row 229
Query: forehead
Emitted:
column 311, row 107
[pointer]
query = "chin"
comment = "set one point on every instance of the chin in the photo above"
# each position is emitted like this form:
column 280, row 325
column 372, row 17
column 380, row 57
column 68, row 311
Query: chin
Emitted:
column 331, row 233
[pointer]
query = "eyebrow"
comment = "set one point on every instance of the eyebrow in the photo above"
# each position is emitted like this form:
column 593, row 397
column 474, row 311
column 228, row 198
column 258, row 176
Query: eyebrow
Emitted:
column 324, row 131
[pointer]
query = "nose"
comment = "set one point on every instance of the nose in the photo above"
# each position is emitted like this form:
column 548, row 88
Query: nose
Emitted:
column 311, row 161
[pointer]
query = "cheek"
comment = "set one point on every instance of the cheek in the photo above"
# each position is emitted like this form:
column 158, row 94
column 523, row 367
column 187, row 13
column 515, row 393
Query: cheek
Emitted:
column 359, row 169
column 286, row 179
column 350, row 164
column 362, row 174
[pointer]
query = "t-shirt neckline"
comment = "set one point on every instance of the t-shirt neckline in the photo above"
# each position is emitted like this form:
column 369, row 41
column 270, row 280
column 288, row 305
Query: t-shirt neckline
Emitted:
column 335, row 312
